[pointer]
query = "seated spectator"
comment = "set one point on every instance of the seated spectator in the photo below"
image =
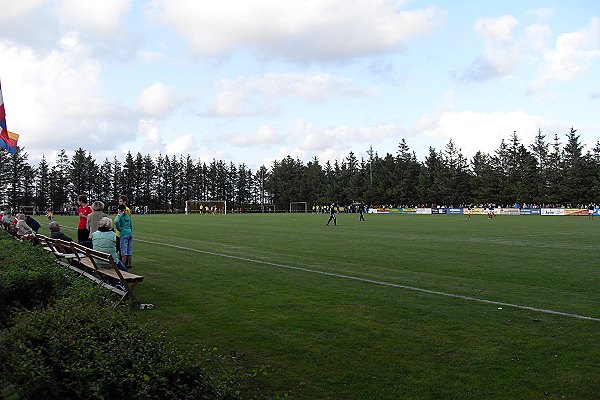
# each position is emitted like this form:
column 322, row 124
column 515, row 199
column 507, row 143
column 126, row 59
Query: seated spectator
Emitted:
column 7, row 219
column 23, row 230
column 33, row 224
column 95, row 216
column 105, row 240
column 55, row 232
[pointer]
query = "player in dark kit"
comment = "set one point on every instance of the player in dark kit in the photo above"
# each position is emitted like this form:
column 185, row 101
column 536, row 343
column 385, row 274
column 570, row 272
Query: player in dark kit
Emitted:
column 361, row 211
column 333, row 209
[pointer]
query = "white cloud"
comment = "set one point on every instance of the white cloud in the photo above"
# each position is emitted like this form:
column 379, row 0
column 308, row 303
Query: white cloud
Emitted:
column 157, row 100
column 98, row 17
column 17, row 9
column 572, row 56
column 149, row 135
column 17, row 19
column 496, row 30
column 266, row 135
column 100, row 25
column 501, row 54
column 185, row 144
column 473, row 131
column 542, row 13
column 320, row 140
column 537, row 36
column 257, row 94
column 298, row 30
column 56, row 101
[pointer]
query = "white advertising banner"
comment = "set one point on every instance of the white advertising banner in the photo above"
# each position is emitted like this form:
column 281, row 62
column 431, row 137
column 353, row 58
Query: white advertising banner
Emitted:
column 423, row 210
column 553, row 211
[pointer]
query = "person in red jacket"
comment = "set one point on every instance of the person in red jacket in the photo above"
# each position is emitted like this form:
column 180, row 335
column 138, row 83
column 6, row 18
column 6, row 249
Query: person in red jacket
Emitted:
column 84, row 210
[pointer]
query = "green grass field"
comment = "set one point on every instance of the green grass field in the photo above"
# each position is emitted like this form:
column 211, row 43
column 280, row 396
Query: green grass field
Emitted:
column 250, row 286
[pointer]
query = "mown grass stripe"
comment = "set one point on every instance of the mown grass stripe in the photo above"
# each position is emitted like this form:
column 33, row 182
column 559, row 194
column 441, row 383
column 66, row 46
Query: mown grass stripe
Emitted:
column 382, row 283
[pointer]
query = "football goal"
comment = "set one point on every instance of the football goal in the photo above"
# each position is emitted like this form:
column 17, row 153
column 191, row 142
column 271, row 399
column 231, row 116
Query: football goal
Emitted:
column 298, row 207
column 268, row 208
column 28, row 210
column 206, row 207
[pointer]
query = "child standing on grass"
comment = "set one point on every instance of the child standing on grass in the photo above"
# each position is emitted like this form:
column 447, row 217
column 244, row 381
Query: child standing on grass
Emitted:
column 123, row 224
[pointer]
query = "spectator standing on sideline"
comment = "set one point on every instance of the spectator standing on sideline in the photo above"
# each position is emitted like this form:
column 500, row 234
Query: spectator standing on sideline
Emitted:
column 122, row 200
column 83, row 235
column 94, row 217
column 123, row 224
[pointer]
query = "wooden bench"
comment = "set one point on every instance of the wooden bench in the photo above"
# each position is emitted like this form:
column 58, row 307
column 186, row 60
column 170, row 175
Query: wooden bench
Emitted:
column 107, row 270
column 56, row 247
column 98, row 266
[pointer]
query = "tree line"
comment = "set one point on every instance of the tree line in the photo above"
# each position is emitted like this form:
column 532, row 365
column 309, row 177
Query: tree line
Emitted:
column 543, row 172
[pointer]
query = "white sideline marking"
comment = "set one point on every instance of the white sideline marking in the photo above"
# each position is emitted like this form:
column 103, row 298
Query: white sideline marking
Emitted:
column 396, row 285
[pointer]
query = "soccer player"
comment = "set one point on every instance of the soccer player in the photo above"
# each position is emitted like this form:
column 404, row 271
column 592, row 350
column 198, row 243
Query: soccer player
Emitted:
column 591, row 209
column 333, row 209
column 490, row 212
column 361, row 211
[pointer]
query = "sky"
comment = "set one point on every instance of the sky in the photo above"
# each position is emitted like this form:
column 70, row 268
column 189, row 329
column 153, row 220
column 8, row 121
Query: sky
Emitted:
column 252, row 81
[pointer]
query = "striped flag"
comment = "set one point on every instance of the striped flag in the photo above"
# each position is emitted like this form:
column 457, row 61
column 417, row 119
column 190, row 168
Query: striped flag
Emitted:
column 8, row 140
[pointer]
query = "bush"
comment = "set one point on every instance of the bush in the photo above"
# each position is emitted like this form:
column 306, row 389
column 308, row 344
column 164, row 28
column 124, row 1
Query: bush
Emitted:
column 28, row 278
column 80, row 349
column 65, row 340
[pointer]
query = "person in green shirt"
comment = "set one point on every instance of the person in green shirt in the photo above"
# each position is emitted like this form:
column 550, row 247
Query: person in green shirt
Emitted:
column 123, row 224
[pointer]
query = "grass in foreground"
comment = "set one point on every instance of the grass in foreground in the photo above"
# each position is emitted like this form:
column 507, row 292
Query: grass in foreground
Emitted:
column 228, row 282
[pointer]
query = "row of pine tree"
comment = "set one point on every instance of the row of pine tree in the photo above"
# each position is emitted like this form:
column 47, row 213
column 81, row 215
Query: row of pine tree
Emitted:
column 555, row 172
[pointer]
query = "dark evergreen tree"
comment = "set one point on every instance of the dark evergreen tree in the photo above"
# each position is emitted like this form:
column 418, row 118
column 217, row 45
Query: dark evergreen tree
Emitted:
column 312, row 183
column 454, row 176
column 430, row 177
column 242, row 199
column 92, row 177
column 61, row 191
column 117, row 181
column 148, row 191
column 127, row 178
column 78, row 173
column 407, row 175
column 284, row 182
column 540, row 151
column 554, row 175
column 574, row 188
column 484, row 180
column 105, row 183
column 42, row 185
column 261, row 193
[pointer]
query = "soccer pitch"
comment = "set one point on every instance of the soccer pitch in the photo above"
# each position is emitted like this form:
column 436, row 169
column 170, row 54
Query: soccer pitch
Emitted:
column 398, row 306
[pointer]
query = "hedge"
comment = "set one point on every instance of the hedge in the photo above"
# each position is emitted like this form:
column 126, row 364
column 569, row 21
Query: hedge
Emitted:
column 61, row 338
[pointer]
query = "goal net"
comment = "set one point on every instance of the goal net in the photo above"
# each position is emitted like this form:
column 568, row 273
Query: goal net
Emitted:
column 298, row 207
column 28, row 210
column 268, row 208
column 206, row 207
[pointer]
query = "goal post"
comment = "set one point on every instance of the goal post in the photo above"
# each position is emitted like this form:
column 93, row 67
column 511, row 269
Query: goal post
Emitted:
column 268, row 208
column 206, row 207
column 298, row 207
column 28, row 210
